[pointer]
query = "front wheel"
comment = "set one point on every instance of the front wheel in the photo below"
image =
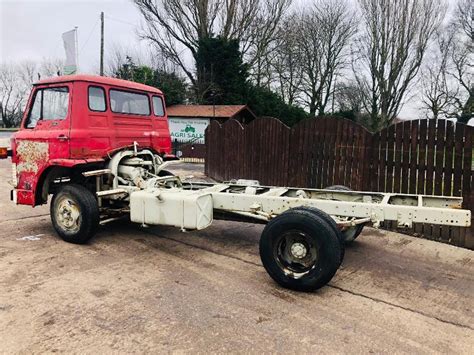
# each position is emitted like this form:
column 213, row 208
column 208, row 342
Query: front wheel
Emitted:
column 300, row 250
column 75, row 214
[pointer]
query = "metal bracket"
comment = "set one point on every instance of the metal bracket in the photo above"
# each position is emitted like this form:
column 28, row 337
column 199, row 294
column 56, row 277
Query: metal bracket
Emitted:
column 97, row 172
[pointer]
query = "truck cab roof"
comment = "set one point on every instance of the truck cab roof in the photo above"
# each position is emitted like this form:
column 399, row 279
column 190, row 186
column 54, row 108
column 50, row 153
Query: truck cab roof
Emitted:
column 99, row 80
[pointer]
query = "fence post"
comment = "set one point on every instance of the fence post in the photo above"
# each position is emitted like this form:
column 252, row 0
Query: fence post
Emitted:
column 368, row 164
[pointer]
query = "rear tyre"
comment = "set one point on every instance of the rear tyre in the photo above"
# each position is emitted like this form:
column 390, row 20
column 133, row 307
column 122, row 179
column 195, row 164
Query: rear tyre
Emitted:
column 351, row 233
column 75, row 214
column 300, row 249
column 331, row 221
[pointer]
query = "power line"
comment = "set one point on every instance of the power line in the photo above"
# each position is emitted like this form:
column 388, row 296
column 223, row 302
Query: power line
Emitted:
column 122, row 21
column 90, row 35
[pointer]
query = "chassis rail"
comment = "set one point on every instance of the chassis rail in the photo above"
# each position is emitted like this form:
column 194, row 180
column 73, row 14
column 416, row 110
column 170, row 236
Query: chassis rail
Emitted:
column 362, row 207
column 246, row 199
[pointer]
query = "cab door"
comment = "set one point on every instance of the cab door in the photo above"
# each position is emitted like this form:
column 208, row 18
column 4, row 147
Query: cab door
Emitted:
column 44, row 137
column 54, row 123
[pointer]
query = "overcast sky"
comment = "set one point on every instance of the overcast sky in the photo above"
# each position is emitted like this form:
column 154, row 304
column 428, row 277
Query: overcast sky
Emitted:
column 31, row 29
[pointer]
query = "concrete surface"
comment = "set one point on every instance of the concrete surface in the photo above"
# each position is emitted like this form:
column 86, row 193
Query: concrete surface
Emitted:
column 160, row 290
column 4, row 139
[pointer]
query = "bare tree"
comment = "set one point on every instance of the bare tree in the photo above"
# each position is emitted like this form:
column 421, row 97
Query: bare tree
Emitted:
column 464, row 17
column 388, row 55
column 447, row 77
column 15, row 85
column 175, row 27
column 264, row 31
column 438, row 90
column 348, row 97
column 12, row 95
column 463, row 61
column 118, row 56
column 286, row 62
column 50, row 67
column 325, row 34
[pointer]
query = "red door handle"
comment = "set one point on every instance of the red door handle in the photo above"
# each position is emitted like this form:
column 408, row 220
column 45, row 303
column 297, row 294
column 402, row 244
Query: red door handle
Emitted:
column 63, row 137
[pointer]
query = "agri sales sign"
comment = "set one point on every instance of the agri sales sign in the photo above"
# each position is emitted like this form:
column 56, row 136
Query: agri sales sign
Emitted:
column 188, row 129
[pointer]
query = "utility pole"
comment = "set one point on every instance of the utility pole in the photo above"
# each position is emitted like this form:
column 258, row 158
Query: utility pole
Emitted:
column 102, row 43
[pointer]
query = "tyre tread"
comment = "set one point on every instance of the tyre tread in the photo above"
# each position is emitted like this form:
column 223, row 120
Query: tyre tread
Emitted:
column 329, row 243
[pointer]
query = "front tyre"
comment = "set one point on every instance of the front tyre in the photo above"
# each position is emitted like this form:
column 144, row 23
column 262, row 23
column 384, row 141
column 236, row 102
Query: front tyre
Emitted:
column 300, row 250
column 75, row 214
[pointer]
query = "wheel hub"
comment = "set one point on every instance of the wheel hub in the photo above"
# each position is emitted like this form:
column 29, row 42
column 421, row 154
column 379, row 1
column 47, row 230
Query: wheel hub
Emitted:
column 68, row 214
column 298, row 250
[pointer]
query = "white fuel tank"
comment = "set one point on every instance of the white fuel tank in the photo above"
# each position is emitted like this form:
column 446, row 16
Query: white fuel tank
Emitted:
column 183, row 209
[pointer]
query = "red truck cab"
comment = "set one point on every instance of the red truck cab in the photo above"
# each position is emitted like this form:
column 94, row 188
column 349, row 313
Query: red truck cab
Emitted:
column 72, row 123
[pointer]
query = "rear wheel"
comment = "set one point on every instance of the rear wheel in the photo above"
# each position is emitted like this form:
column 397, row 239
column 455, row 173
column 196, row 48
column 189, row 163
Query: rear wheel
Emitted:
column 331, row 221
column 300, row 250
column 75, row 214
column 351, row 233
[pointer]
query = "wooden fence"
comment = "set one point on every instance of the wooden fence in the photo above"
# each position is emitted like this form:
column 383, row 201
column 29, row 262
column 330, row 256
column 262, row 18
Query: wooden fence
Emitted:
column 189, row 152
column 432, row 157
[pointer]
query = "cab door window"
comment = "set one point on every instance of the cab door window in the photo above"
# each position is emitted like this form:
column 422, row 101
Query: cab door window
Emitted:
column 97, row 99
column 49, row 104
column 35, row 113
column 158, row 107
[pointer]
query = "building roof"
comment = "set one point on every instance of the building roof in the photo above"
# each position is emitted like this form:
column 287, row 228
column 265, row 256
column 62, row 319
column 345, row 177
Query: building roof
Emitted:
column 99, row 80
column 208, row 111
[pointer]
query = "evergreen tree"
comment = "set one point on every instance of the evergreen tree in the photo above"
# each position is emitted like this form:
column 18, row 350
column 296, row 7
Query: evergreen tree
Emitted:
column 264, row 102
column 173, row 86
column 224, row 79
column 221, row 73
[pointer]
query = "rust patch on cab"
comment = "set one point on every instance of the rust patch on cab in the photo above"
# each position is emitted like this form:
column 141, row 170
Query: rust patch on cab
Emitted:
column 31, row 155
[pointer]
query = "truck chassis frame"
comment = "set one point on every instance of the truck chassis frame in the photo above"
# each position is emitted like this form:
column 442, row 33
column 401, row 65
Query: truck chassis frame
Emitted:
column 302, row 245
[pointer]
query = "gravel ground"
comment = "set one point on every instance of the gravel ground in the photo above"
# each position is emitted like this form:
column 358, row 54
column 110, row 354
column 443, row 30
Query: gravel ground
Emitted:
column 160, row 290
